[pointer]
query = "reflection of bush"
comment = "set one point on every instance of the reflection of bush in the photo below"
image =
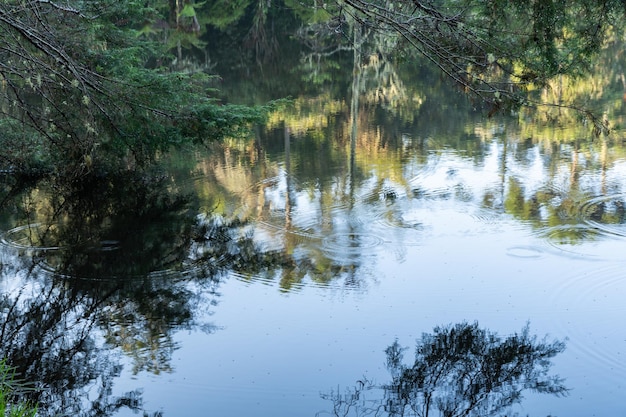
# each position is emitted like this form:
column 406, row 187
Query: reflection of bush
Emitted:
column 48, row 333
column 111, row 264
column 460, row 370
column 221, row 245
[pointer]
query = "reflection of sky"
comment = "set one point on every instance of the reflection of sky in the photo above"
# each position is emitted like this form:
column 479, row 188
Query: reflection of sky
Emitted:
column 617, row 174
column 13, row 281
column 277, row 352
column 428, row 254
column 440, row 258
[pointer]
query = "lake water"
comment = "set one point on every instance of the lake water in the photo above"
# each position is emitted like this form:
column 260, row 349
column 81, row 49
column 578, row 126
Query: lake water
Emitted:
column 392, row 205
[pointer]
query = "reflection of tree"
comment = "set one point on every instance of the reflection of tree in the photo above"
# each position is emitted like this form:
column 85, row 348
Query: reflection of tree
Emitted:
column 459, row 370
column 47, row 334
column 338, row 151
column 115, row 264
column 566, row 198
column 393, row 120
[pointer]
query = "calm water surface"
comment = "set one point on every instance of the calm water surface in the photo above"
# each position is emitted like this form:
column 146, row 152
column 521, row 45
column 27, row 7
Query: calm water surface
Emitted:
column 388, row 221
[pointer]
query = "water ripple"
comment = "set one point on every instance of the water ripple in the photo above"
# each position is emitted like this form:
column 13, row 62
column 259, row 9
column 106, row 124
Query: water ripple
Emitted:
column 606, row 214
column 568, row 234
column 30, row 236
column 345, row 247
column 444, row 193
column 487, row 216
column 525, row 252
column 594, row 307
column 352, row 241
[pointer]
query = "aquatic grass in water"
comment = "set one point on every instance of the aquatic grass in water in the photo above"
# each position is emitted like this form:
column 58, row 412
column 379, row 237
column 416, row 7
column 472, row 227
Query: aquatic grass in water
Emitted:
column 10, row 386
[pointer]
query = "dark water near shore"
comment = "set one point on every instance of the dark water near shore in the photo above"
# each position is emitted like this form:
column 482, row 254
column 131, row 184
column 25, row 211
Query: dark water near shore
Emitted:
column 259, row 276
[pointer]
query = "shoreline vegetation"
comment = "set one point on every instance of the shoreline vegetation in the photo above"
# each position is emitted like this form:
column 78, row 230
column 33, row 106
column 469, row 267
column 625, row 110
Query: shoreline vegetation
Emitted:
column 10, row 388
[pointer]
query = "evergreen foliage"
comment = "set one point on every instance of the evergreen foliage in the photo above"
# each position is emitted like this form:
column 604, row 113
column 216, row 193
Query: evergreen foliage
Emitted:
column 82, row 87
column 105, row 85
